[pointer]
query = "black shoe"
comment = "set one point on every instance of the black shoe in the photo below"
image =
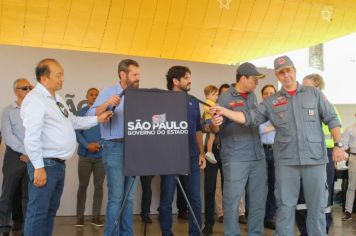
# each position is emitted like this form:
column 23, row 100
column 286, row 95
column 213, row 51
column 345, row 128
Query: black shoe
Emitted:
column 270, row 224
column 16, row 226
column 242, row 219
column 347, row 216
column 146, row 219
column 183, row 215
column 5, row 230
column 208, row 230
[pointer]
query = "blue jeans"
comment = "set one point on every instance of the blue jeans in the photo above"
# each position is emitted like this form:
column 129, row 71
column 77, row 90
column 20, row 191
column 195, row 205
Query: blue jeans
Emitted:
column 118, row 185
column 271, row 205
column 44, row 201
column 168, row 186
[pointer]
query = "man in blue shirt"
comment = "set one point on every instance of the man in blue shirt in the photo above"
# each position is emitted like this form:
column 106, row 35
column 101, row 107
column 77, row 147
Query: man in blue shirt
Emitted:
column 112, row 134
column 178, row 79
column 267, row 133
column 15, row 159
column 89, row 152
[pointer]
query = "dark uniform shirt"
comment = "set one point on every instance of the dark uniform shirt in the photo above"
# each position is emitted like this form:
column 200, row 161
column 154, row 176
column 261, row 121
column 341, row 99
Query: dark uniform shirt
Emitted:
column 297, row 119
column 239, row 142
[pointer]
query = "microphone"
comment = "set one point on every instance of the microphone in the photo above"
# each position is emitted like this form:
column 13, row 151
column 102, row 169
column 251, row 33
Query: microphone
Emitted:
column 120, row 95
column 123, row 93
column 200, row 101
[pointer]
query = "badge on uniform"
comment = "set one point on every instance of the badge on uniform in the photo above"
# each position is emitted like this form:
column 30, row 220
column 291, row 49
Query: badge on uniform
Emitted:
column 237, row 103
column 281, row 114
column 280, row 101
column 311, row 113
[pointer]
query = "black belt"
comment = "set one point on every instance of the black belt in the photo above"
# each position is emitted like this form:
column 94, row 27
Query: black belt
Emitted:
column 117, row 140
column 267, row 146
column 57, row 160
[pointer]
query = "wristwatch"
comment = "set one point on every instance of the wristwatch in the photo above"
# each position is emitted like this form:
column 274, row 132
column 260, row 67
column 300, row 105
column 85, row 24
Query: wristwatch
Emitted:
column 339, row 144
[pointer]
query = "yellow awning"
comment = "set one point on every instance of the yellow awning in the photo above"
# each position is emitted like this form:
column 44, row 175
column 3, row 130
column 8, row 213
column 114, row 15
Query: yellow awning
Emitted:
column 194, row 30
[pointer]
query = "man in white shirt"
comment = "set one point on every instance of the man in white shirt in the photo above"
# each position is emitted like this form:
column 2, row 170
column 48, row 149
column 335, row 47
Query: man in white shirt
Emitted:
column 349, row 140
column 49, row 141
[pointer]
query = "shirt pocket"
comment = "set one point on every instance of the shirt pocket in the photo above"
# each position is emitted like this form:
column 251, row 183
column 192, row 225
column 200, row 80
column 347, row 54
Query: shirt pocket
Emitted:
column 315, row 143
column 309, row 112
column 280, row 115
column 281, row 147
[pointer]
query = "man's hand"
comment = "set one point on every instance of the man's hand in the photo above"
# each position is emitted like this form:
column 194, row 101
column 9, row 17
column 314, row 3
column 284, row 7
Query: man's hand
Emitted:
column 24, row 158
column 339, row 154
column 40, row 177
column 217, row 120
column 93, row 147
column 105, row 116
column 202, row 161
column 217, row 110
column 113, row 101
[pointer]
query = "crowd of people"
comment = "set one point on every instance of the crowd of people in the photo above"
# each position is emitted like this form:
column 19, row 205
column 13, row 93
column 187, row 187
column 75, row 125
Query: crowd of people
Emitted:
column 267, row 164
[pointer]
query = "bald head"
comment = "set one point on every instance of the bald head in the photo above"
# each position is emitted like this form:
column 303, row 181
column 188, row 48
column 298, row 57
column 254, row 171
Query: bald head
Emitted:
column 50, row 74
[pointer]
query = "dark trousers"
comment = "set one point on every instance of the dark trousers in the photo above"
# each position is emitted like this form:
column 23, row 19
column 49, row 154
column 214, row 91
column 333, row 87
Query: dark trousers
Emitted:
column 86, row 166
column 17, row 215
column 301, row 215
column 210, row 174
column 146, row 195
column 271, row 206
column 168, row 186
column 14, row 176
column 181, row 203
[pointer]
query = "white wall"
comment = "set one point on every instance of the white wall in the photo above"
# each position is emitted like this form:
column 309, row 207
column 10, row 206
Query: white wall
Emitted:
column 84, row 70
column 347, row 113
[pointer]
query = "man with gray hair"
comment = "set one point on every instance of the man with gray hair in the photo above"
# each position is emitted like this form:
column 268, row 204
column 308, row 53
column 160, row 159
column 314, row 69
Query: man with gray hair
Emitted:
column 15, row 159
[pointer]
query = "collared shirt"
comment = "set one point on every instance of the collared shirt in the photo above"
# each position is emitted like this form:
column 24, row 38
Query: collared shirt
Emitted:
column 297, row 120
column 48, row 132
column 115, row 127
column 84, row 137
column 349, row 138
column 12, row 129
column 239, row 142
column 194, row 125
column 267, row 137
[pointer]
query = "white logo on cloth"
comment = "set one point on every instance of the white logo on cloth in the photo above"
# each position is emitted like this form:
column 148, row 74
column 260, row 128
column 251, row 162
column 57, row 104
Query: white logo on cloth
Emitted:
column 159, row 118
column 158, row 126
column 311, row 112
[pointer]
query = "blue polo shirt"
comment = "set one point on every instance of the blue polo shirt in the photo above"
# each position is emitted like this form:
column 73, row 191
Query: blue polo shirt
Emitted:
column 193, row 125
column 84, row 137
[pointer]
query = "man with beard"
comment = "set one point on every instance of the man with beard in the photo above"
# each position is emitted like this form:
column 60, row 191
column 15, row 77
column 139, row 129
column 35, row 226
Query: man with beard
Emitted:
column 112, row 134
column 179, row 79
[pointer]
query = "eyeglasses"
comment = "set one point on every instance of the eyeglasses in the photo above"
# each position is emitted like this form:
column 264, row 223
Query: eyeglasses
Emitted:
column 63, row 109
column 25, row 88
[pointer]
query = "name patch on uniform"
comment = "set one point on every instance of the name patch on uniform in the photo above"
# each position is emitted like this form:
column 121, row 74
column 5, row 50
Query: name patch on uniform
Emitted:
column 280, row 101
column 237, row 103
